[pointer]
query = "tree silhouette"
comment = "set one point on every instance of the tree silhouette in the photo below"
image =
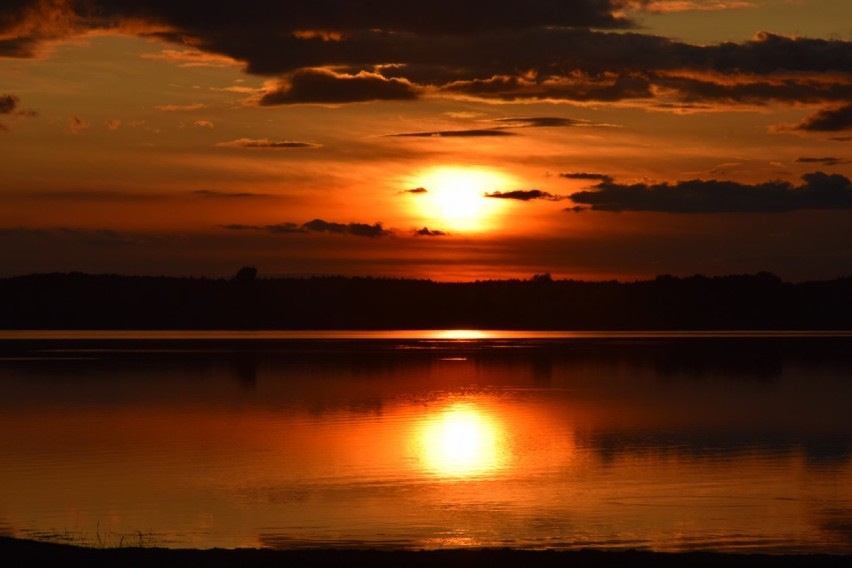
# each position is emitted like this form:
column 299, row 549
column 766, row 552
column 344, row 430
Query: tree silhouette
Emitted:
column 245, row 274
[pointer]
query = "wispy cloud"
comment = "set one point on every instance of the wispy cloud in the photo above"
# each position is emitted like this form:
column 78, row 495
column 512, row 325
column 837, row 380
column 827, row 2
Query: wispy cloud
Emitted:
column 525, row 195
column 266, row 143
column 375, row 230
column 586, row 176
column 213, row 194
column 538, row 122
column 666, row 6
column 77, row 125
column 192, row 58
column 828, row 160
column 470, row 133
column 181, row 108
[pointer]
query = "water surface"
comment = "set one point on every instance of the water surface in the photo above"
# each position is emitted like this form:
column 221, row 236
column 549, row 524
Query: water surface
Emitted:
column 429, row 439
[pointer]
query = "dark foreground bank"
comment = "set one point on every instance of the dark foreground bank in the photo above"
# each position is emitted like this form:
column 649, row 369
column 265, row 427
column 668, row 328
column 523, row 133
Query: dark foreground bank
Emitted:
column 16, row 553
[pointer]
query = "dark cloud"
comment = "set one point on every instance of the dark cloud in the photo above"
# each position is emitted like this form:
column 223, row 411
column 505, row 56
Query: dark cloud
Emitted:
column 416, row 190
column 241, row 227
column 284, row 228
column 265, row 143
column 18, row 47
column 320, row 86
column 427, row 232
column 356, row 229
column 608, row 87
column 438, row 17
column 318, row 226
column 524, row 195
column 213, row 194
column 819, row 191
column 471, row 133
column 8, row 103
column 829, row 120
column 390, row 50
column 828, row 161
column 365, row 230
column 586, row 176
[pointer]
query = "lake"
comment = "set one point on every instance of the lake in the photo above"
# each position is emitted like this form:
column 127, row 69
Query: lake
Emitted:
column 429, row 439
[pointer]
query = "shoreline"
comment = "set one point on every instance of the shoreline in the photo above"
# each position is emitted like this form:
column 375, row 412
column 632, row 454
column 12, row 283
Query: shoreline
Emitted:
column 21, row 552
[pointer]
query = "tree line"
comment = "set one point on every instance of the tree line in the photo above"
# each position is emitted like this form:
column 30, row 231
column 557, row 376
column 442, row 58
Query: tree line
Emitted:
column 85, row 301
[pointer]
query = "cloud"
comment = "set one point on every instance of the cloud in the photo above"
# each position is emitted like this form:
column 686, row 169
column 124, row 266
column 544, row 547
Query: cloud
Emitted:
column 829, row 120
column 320, row 86
column 828, row 161
column 338, row 51
column 9, row 104
column 500, row 130
column 318, row 226
column 537, row 122
column 427, row 232
column 191, row 58
column 819, row 191
column 356, row 229
column 203, row 124
column 265, row 143
column 77, row 125
column 524, row 195
column 181, row 108
column 471, row 133
column 213, row 194
column 666, row 6
column 586, row 176
column 113, row 124
column 416, row 190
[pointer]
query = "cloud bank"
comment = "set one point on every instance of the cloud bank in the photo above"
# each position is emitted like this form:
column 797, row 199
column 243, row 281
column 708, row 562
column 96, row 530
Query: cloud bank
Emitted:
column 338, row 51
column 819, row 191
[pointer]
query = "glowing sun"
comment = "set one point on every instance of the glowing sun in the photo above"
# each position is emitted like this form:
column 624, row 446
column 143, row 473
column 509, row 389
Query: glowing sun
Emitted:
column 453, row 198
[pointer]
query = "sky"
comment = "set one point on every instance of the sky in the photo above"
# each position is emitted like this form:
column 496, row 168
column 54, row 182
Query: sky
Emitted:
column 452, row 140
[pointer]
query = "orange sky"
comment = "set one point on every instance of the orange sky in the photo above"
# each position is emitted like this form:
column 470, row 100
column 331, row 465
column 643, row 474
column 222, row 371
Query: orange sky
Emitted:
column 615, row 139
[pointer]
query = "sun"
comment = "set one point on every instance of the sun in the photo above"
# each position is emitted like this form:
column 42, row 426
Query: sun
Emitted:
column 453, row 197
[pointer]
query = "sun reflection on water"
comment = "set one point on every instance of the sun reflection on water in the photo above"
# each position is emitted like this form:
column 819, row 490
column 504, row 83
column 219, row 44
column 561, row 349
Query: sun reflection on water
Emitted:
column 461, row 441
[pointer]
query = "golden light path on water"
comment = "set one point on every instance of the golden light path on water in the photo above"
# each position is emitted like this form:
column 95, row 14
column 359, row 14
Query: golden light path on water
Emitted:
column 461, row 441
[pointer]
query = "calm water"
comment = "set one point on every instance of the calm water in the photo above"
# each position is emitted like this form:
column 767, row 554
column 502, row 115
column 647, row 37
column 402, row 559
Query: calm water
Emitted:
column 428, row 439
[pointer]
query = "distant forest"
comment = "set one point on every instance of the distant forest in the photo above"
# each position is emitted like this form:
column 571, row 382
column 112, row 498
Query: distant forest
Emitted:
column 83, row 301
